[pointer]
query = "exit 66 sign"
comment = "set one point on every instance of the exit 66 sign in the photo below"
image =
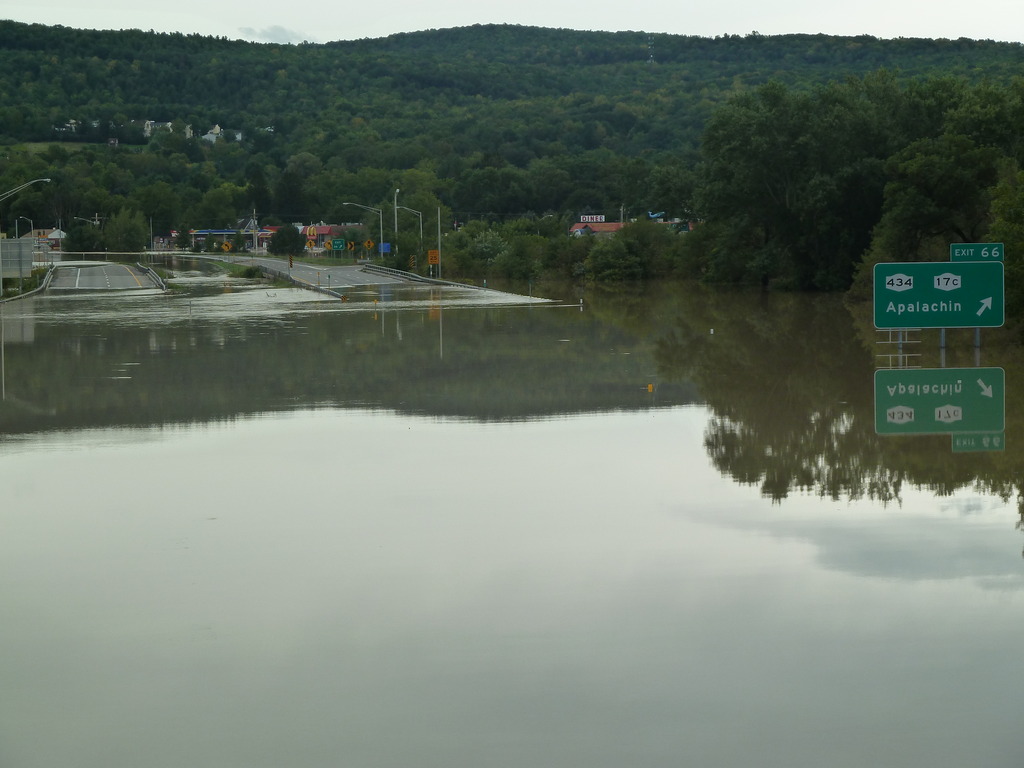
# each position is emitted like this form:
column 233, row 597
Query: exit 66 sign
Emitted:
column 938, row 294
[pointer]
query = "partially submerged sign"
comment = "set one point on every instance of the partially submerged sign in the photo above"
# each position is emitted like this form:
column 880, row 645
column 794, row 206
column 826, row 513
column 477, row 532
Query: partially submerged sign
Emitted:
column 938, row 294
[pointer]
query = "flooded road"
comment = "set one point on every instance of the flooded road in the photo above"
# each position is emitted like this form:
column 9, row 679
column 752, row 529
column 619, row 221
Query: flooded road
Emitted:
column 248, row 526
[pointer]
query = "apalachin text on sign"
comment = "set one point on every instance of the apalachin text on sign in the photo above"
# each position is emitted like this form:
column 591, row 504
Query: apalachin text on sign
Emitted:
column 927, row 294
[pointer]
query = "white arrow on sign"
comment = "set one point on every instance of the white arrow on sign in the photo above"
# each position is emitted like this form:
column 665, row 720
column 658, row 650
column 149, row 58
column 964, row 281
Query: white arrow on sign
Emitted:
column 986, row 390
column 985, row 304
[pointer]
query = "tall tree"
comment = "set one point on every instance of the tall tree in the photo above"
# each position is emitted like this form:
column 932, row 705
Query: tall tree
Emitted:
column 940, row 192
column 126, row 232
column 287, row 241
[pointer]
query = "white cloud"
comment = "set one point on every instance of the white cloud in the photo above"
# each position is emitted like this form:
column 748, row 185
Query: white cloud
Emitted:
column 275, row 34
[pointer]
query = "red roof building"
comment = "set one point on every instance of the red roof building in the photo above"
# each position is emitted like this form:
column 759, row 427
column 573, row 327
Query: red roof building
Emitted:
column 605, row 228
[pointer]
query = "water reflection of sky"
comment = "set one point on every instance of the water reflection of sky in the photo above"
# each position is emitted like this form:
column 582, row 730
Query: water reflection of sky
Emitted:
column 345, row 587
column 924, row 537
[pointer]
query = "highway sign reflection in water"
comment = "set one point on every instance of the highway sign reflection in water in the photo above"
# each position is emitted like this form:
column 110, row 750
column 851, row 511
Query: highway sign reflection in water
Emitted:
column 921, row 401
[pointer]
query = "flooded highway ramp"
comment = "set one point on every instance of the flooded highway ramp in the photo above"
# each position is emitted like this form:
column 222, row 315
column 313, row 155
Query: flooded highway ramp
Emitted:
column 102, row 276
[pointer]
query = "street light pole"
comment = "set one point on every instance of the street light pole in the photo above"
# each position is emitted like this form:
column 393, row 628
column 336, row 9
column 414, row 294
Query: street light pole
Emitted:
column 3, row 197
column 18, row 189
column 420, row 215
column 31, row 225
column 379, row 213
column 395, row 206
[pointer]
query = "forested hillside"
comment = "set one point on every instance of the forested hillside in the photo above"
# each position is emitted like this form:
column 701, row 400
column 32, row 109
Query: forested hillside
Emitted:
column 517, row 93
column 496, row 125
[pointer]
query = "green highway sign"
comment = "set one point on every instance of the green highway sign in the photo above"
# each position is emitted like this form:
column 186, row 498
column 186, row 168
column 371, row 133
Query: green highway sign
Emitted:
column 938, row 294
column 975, row 251
column 930, row 401
column 985, row 441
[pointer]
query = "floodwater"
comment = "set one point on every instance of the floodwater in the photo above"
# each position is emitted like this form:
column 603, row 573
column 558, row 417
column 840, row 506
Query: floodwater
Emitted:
column 249, row 526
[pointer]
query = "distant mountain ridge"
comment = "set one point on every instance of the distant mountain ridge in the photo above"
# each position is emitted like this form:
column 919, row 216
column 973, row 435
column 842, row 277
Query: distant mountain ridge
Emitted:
column 160, row 76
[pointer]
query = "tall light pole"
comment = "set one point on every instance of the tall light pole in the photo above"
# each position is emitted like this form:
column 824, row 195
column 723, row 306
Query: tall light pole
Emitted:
column 410, row 210
column 379, row 213
column 31, row 225
column 3, row 197
column 395, row 206
column 396, row 212
column 18, row 189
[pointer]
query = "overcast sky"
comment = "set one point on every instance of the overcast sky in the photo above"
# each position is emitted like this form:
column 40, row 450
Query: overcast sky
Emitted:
column 321, row 21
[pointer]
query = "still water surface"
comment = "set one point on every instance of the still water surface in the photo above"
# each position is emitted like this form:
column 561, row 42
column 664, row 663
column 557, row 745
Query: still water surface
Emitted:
column 245, row 526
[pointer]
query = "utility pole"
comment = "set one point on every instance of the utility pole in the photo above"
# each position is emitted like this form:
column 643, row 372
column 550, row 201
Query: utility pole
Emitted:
column 396, row 221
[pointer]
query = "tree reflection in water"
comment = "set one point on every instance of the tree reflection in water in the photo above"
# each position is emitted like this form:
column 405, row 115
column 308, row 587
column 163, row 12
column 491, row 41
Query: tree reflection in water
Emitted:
column 789, row 380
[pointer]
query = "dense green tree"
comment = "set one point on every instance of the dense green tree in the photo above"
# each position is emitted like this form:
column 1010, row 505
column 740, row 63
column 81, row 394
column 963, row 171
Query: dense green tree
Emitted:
column 1008, row 229
column 755, row 170
column 612, row 261
column 159, row 203
column 83, row 237
column 219, row 208
column 638, row 251
column 287, row 241
column 290, row 196
column 523, row 258
column 565, row 256
column 126, row 231
column 257, row 193
column 183, row 239
column 939, row 192
column 792, row 186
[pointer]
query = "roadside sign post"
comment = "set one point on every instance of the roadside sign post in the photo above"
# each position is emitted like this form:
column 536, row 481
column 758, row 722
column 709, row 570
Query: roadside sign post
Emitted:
column 936, row 294
column 923, row 401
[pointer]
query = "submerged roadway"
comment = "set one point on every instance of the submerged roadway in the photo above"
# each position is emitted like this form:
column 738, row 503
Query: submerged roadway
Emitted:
column 110, row 276
column 100, row 276
column 322, row 276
